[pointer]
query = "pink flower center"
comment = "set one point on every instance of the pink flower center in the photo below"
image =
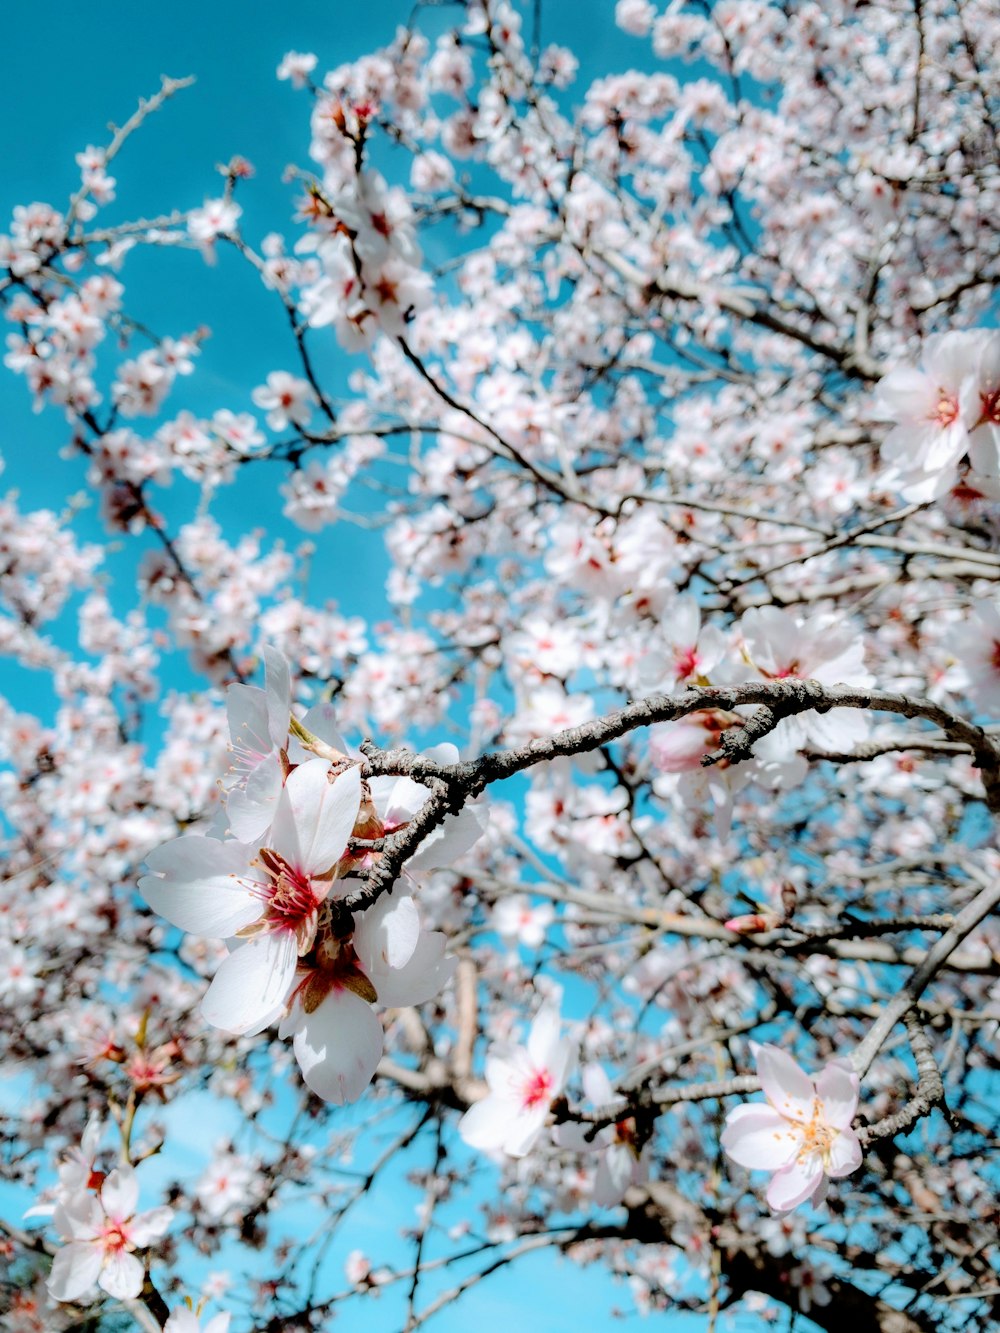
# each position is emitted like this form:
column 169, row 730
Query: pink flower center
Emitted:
column 945, row 410
column 536, row 1089
column 792, row 670
column 990, row 410
column 685, row 662
column 995, row 656
column 290, row 901
column 114, row 1238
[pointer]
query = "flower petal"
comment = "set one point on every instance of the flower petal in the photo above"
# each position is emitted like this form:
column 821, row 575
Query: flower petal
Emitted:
column 424, row 975
column 338, row 1047
column 149, row 1226
column 252, row 808
column 75, row 1269
column 845, row 1155
column 789, row 1090
column 122, row 1275
column 120, row 1193
column 246, row 708
column 252, row 984
column 324, row 812
column 614, row 1175
column 386, row 935
column 759, row 1138
column 837, row 1088
column 278, row 689
column 451, row 839
column 543, row 1038
column 195, row 886
column 484, row 1125
column 795, row 1183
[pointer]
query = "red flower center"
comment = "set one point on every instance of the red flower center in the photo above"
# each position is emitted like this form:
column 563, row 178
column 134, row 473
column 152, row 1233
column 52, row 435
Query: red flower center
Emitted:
column 537, row 1089
column 290, row 901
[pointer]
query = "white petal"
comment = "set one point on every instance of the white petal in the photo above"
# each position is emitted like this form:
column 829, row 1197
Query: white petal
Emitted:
column 837, row 1088
column 252, row 983
column 795, row 1183
column 278, row 689
column 397, row 800
column 561, row 1066
column 450, row 840
column 386, row 935
column 757, row 1137
column 194, row 886
column 523, row 1130
column 543, row 1039
column 445, row 753
column 325, row 812
column 246, row 707
column 120, row 1193
column 423, row 976
column 789, row 1090
column 597, row 1086
column 149, row 1226
column 252, row 808
column 845, row 1155
column 321, row 720
column 122, row 1276
column 614, row 1175
column 339, row 1046
column 485, row 1124
column 75, row 1269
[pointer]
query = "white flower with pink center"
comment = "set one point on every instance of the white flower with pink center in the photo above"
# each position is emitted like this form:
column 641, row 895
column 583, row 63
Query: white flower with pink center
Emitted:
column 803, row 1134
column 984, row 439
column 217, row 218
column 268, row 898
column 523, row 1083
column 623, row 1162
column 287, row 400
column 934, row 407
column 825, row 648
column 103, row 1232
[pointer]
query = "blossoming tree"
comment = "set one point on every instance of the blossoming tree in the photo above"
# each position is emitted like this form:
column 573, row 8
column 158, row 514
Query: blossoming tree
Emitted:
column 641, row 842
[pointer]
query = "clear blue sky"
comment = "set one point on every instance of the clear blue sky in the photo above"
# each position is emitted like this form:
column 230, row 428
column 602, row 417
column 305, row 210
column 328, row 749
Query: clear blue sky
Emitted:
column 67, row 73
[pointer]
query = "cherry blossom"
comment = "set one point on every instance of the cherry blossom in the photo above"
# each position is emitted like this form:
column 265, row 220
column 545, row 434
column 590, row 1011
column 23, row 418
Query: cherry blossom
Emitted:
column 102, row 1232
column 523, row 1083
column 935, row 406
column 803, row 1134
column 687, row 419
column 267, row 899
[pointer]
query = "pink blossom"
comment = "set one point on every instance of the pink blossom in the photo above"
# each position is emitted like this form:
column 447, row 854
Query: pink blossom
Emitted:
column 803, row 1134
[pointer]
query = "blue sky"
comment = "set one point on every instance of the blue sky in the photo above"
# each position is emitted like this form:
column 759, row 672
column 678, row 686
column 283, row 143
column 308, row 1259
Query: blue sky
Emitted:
column 65, row 79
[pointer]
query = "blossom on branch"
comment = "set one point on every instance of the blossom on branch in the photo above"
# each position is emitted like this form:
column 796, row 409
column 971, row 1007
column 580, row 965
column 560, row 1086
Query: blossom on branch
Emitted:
column 804, row 1132
column 104, row 1231
column 523, row 1082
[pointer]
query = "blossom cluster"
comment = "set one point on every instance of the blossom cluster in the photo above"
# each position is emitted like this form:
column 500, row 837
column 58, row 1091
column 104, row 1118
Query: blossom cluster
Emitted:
column 267, row 877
